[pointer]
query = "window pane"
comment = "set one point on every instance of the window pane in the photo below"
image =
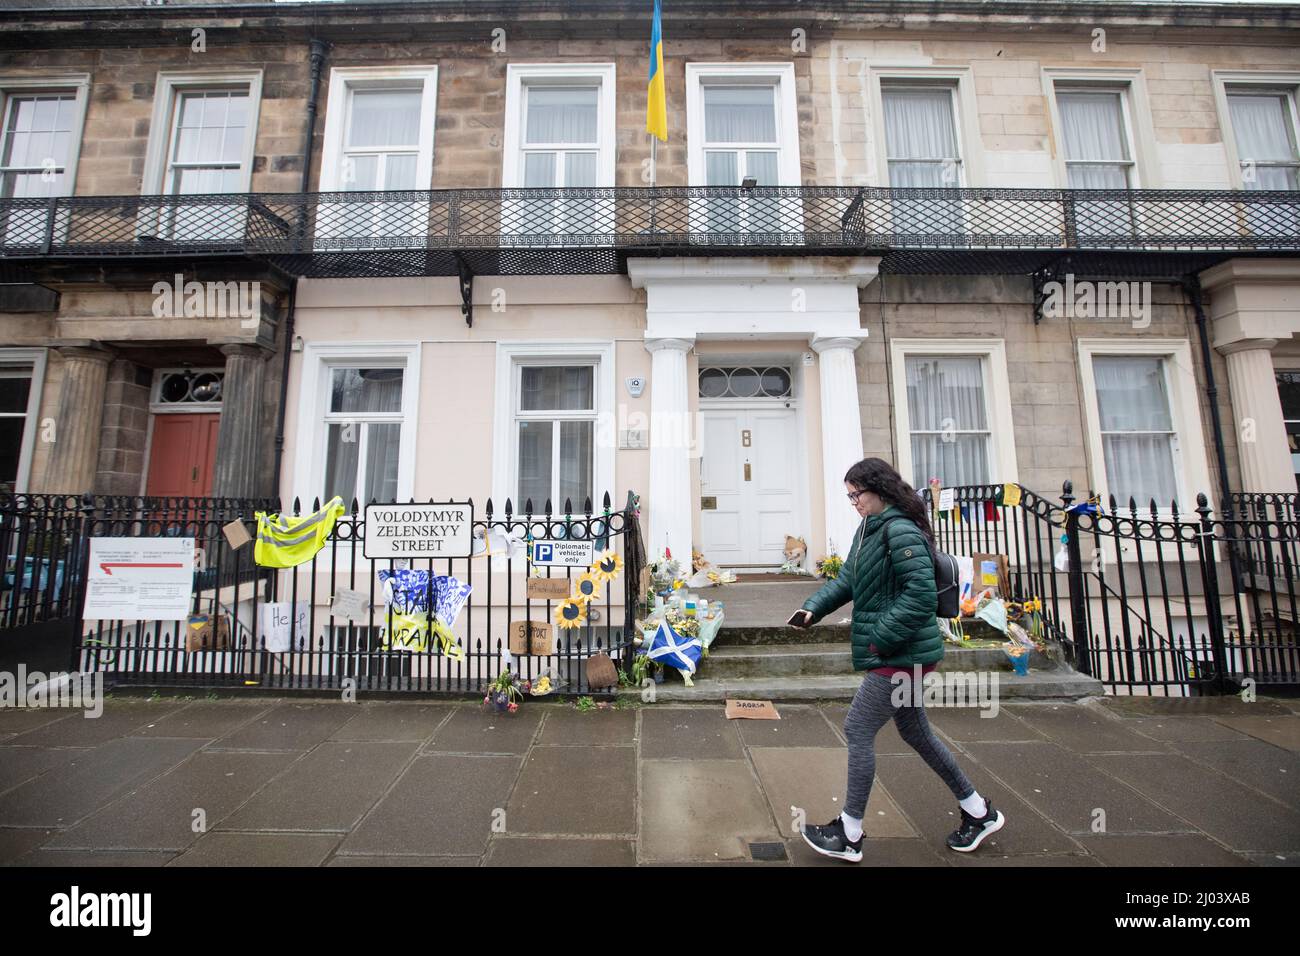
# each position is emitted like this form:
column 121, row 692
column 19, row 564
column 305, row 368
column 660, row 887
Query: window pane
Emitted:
column 721, row 168
column 14, row 390
column 534, row 463
column 762, row 167
column 561, row 115
column 740, row 114
column 382, row 446
column 1131, row 393
column 399, row 171
column 366, row 390
column 539, row 170
column 557, row 387
column 1101, row 176
column 1093, row 125
column 11, row 448
column 580, row 169
column 1140, row 467
column 361, row 173
column 343, row 450
column 38, row 129
column 575, row 462
column 1288, row 388
column 1262, row 127
column 946, row 393
column 962, row 461
column 28, row 186
column 385, row 118
column 919, row 124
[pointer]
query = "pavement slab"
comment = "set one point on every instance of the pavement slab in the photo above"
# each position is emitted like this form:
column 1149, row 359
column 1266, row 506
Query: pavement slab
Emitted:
column 523, row 851
column 798, row 727
column 92, row 778
column 1254, row 763
column 962, row 725
column 1236, row 816
column 16, row 842
column 259, row 849
column 1069, row 790
column 1173, row 729
column 875, row 853
column 1082, row 728
column 704, row 810
column 471, row 729
column 700, row 733
column 380, row 720
column 20, row 764
column 1280, row 731
column 443, row 805
column 76, row 859
column 209, row 719
column 118, row 719
column 1169, row 849
column 581, row 790
column 330, row 788
column 569, row 727
column 287, row 726
column 20, row 720
column 813, row 781
column 403, row 861
column 161, row 814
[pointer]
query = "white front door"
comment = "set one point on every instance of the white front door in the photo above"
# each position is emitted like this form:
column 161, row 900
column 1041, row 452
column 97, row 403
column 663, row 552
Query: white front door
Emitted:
column 748, row 482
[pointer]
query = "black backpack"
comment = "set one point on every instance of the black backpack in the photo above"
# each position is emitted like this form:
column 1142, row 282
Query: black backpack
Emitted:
column 947, row 576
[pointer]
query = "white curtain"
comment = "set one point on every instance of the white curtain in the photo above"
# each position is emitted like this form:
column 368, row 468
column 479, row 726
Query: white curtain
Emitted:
column 361, row 392
column 1093, row 129
column 556, row 387
column 948, row 417
column 535, row 458
column 564, row 114
column 575, row 462
column 740, row 114
column 385, row 118
column 1137, row 428
column 1260, row 125
column 920, row 135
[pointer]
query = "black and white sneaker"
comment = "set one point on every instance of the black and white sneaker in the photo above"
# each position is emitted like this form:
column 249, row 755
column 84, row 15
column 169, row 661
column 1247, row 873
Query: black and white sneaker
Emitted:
column 973, row 830
column 830, row 840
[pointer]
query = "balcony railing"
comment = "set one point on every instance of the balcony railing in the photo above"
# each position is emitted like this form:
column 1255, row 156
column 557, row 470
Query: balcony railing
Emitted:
column 525, row 231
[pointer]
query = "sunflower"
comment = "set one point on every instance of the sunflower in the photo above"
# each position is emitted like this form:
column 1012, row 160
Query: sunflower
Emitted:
column 608, row 565
column 586, row 587
column 571, row 613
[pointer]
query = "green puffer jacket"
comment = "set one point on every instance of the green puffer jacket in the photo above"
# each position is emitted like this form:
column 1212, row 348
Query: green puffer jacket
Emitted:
column 889, row 576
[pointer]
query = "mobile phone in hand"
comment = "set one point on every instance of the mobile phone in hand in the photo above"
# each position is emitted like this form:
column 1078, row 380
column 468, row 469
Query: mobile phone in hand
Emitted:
column 797, row 619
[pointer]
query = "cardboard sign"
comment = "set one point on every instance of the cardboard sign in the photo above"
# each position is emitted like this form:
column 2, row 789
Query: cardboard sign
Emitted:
column 525, row 635
column 201, row 635
column 278, row 619
column 548, row 589
column 236, row 534
column 1011, row 495
column 139, row 579
column 350, row 604
column 751, row 710
column 601, row 672
column 947, row 499
column 433, row 530
column 991, row 572
column 565, row 554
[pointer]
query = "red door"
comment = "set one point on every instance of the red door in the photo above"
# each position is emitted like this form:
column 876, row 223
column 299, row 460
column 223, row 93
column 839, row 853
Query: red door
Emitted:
column 183, row 455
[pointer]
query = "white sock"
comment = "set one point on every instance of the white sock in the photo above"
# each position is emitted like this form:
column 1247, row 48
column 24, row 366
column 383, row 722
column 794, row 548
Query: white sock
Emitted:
column 975, row 805
column 852, row 827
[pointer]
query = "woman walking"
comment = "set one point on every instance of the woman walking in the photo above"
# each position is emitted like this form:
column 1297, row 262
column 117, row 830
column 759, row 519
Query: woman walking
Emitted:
column 889, row 576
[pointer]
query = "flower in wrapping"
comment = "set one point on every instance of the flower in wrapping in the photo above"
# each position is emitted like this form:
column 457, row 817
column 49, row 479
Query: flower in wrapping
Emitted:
column 571, row 613
column 586, row 587
column 608, row 565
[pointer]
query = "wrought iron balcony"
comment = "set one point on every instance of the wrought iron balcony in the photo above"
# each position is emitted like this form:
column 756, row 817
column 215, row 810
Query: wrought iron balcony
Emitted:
column 581, row 231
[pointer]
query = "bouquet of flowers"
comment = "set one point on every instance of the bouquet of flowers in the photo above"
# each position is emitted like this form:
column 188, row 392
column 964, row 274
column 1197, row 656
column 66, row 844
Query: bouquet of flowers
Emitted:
column 665, row 572
column 503, row 693
column 829, row 567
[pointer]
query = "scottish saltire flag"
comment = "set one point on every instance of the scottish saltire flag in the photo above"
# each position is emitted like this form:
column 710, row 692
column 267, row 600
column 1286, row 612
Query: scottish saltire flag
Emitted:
column 656, row 109
column 672, row 649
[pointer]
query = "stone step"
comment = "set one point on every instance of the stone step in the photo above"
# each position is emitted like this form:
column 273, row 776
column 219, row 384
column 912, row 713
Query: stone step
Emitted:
column 818, row 659
column 825, row 632
column 1038, row 685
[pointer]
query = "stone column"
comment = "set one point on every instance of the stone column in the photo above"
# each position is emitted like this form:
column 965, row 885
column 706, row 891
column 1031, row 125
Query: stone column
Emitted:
column 669, row 500
column 79, row 422
column 841, row 434
column 1257, row 417
column 239, row 462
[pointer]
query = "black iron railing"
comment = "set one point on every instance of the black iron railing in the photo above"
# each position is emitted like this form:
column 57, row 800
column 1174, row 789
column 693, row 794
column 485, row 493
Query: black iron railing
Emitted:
column 594, row 230
column 47, row 537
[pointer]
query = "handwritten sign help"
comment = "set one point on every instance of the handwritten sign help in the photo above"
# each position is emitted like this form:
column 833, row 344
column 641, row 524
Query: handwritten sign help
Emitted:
column 433, row 530
column 279, row 619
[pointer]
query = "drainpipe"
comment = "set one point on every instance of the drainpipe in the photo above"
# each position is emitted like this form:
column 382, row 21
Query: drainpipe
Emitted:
column 317, row 59
column 1192, row 286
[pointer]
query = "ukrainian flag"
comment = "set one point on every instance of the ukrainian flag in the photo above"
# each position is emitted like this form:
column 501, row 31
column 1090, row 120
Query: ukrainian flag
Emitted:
column 656, row 112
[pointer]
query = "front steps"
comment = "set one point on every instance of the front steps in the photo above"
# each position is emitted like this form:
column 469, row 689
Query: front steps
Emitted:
column 749, row 663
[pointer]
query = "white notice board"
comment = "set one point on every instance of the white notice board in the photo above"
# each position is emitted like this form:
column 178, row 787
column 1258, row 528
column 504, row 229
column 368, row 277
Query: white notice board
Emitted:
column 139, row 579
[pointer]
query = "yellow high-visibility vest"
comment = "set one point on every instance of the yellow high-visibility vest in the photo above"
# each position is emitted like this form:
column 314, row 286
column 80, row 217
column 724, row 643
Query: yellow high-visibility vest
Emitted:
column 287, row 541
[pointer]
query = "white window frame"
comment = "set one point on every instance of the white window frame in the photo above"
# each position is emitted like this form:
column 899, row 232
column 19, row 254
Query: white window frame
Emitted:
column 787, row 113
column 1228, row 81
column 35, row 360
column 318, row 361
column 1191, row 464
column 997, row 398
column 162, row 124
column 505, row 447
column 342, row 80
column 1130, row 84
column 960, row 81
column 521, row 75
column 75, row 83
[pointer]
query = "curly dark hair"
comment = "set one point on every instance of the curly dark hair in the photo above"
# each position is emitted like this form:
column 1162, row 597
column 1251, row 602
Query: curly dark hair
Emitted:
column 879, row 477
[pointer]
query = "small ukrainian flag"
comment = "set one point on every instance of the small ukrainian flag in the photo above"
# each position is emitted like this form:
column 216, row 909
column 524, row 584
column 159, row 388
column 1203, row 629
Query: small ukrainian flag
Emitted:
column 656, row 112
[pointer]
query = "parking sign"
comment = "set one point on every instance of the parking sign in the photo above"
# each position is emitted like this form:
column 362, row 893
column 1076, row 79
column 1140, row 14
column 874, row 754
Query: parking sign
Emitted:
column 564, row 554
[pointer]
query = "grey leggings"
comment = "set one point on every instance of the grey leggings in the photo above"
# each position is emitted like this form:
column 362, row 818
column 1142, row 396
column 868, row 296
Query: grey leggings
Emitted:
column 871, row 709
